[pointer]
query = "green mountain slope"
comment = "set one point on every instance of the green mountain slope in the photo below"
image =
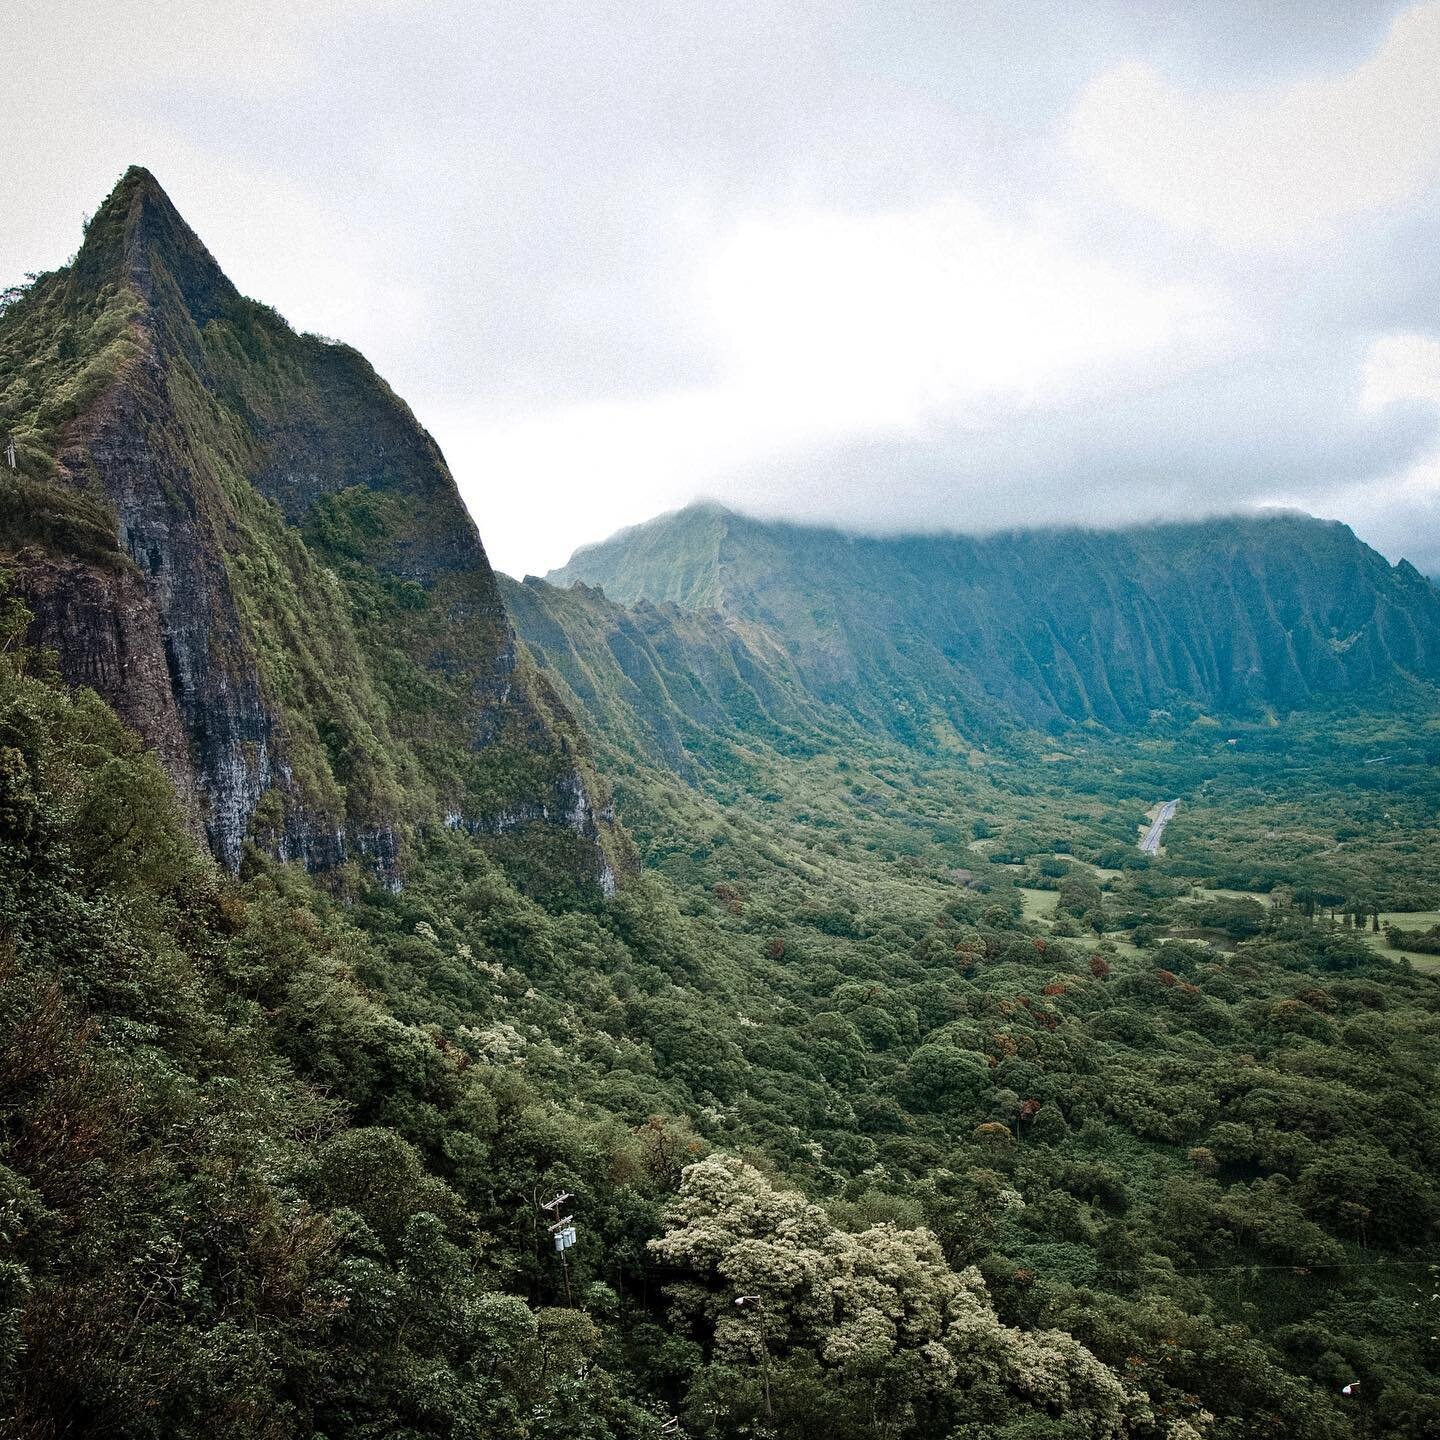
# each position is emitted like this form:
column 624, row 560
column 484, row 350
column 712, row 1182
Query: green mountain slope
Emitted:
column 894, row 1096
column 665, row 682
column 242, row 539
column 270, row 1162
column 1046, row 628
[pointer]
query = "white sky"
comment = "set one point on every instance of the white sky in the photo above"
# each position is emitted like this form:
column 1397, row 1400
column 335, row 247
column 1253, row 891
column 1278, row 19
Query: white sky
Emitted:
column 892, row 266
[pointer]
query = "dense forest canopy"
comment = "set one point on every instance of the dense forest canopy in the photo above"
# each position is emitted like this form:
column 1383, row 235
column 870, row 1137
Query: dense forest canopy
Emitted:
column 887, row 1087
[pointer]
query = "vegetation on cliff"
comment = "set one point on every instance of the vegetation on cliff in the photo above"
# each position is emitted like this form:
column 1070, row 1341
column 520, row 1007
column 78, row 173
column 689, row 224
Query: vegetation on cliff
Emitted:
column 343, row 672
column 893, row 1094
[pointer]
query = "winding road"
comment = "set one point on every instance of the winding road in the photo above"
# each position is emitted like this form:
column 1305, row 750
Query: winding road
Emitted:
column 1150, row 845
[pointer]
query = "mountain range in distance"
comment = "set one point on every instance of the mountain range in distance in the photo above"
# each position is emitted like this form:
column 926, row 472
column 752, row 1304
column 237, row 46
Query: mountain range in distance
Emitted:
column 1043, row 628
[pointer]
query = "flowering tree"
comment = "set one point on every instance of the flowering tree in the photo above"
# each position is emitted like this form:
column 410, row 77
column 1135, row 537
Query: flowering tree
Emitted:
column 882, row 1311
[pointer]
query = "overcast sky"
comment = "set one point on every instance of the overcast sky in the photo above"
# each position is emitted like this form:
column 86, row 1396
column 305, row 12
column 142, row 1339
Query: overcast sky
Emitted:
column 892, row 264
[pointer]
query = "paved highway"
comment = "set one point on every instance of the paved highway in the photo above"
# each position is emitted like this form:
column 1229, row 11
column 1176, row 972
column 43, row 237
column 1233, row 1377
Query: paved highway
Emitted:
column 1151, row 843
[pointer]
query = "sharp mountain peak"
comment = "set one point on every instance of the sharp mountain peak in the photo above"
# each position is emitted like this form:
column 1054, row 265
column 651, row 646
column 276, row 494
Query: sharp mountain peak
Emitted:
column 139, row 238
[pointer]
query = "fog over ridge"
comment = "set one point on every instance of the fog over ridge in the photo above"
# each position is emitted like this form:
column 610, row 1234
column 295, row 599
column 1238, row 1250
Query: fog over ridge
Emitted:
column 902, row 533
column 885, row 269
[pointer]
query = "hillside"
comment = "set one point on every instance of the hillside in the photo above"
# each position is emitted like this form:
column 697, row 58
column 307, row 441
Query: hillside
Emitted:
column 270, row 1163
column 664, row 681
column 1046, row 628
column 894, row 1094
column 245, row 542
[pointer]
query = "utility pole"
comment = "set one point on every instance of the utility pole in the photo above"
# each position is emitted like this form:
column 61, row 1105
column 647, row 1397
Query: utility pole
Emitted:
column 759, row 1306
column 562, row 1232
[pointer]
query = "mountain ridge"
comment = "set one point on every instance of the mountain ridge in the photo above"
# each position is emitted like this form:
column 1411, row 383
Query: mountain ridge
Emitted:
column 1047, row 628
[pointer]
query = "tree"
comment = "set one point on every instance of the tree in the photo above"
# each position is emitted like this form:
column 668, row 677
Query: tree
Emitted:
column 882, row 1311
column 943, row 1078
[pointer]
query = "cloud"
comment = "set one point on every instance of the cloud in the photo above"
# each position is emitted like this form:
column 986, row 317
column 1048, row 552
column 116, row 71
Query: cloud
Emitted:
column 847, row 262
column 852, row 321
column 828, row 328
column 1398, row 509
column 1400, row 368
column 1257, row 429
column 1266, row 166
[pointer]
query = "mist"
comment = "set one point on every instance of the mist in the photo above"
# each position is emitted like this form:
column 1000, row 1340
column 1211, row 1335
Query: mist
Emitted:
column 890, row 268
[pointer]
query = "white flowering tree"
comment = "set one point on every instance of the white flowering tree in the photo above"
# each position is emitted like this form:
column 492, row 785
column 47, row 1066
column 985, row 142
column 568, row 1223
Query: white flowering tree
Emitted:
column 903, row 1335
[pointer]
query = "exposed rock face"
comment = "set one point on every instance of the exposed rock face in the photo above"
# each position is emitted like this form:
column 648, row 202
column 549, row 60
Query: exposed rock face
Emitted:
column 282, row 591
column 570, row 806
column 226, row 765
column 106, row 631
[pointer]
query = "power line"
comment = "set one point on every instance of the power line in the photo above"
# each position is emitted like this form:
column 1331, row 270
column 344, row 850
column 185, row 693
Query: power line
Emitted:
column 562, row 1232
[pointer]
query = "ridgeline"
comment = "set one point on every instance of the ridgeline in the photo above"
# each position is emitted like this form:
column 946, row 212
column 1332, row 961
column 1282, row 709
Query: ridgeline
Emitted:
column 771, row 923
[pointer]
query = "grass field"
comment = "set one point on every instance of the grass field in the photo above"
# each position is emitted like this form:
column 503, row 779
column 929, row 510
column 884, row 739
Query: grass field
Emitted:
column 1407, row 920
column 1039, row 904
column 1098, row 871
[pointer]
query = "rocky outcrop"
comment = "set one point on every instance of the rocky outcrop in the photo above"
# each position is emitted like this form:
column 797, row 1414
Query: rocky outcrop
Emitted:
column 187, row 603
column 105, row 631
column 287, row 597
column 569, row 806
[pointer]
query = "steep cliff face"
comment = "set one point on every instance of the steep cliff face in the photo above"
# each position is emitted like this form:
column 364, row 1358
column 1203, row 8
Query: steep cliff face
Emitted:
column 1047, row 627
column 243, row 540
column 663, row 682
